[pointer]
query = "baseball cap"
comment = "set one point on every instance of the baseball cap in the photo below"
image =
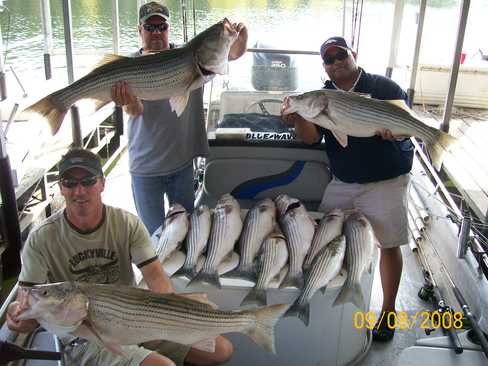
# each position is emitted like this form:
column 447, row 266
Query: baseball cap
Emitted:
column 80, row 158
column 334, row 42
column 153, row 9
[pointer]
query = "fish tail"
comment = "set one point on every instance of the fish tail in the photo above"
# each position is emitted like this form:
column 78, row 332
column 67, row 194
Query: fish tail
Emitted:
column 255, row 296
column 292, row 281
column 202, row 277
column 302, row 311
column 350, row 293
column 266, row 319
column 244, row 273
column 47, row 109
column 186, row 271
column 441, row 144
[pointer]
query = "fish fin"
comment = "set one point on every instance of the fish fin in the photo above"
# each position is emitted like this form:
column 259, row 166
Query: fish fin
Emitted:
column 323, row 289
column 108, row 58
column 400, row 103
column 302, row 311
column 255, row 296
column 203, row 277
column 179, row 102
column 341, row 137
column 99, row 104
column 50, row 112
column 87, row 330
column 292, row 281
column 352, row 294
column 200, row 297
column 441, row 144
column 206, row 345
column 266, row 319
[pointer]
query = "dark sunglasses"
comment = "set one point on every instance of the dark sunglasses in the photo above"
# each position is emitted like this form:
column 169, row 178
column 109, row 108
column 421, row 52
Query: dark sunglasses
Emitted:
column 340, row 55
column 85, row 182
column 162, row 27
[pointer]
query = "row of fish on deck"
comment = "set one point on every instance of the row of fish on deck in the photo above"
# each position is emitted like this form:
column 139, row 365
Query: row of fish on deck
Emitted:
column 276, row 238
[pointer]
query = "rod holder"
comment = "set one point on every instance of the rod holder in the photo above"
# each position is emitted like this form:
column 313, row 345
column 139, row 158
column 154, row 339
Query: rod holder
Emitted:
column 464, row 235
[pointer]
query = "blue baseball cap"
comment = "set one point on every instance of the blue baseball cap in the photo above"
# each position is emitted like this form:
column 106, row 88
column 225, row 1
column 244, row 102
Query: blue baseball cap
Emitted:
column 334, row 42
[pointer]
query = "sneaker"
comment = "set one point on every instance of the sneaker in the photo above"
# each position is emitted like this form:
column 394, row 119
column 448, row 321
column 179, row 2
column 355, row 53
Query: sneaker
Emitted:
column 382, row 332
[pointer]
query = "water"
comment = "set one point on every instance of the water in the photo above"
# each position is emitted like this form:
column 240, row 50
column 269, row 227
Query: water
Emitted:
column 293, row 24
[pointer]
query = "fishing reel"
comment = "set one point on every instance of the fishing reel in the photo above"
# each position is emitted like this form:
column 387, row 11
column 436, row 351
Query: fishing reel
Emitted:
column 426, row 292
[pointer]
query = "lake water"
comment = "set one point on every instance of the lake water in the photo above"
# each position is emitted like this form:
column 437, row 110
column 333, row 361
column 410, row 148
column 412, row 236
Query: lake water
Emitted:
column 292, row 24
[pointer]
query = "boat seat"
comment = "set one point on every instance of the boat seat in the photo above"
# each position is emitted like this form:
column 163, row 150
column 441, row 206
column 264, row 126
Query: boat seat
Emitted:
column 251, row 169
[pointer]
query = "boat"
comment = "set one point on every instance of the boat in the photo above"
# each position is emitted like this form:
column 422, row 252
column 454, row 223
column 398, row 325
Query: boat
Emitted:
column 263, row 158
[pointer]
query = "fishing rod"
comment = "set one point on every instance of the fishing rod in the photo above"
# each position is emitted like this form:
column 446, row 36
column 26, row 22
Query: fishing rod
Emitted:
column 480, row 336
column 434, row 293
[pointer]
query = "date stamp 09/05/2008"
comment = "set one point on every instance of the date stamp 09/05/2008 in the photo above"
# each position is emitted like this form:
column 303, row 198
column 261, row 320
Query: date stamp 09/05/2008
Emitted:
column 404, row 320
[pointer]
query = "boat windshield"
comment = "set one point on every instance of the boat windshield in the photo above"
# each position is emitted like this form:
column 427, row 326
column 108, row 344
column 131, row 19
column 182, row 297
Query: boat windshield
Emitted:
column 248, row 99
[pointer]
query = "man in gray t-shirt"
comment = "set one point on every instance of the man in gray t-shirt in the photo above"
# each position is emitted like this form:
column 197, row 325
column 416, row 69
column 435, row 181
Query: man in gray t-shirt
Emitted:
column 162, row 146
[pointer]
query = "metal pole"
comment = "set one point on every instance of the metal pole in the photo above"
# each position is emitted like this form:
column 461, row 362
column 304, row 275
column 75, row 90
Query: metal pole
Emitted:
column 184, row 21
column 344, row 18
column 3, row 84
column 11, row 256
column 194, row 19
column 416, row 55
column 48, row 37
column 395, row 36
column 463, row 19
column 115, row 25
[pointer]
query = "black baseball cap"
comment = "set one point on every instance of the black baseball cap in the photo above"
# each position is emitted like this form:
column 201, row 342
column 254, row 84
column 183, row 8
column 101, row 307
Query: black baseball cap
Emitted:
column 80, row 158
column 153, row 9
column 334, row 42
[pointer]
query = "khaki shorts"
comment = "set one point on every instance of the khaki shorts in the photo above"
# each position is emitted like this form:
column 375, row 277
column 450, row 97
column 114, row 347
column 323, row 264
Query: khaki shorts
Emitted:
column 89, row 353
column 383, row 203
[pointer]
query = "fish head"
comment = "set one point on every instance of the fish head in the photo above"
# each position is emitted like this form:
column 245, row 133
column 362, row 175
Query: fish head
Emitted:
column 212, row 52
column 308, row 105
column 60, row 304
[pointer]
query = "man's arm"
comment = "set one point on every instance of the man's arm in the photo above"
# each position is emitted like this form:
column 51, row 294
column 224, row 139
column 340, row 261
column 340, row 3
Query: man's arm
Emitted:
column 155, row 277
column 240, row 45
column 122, row 96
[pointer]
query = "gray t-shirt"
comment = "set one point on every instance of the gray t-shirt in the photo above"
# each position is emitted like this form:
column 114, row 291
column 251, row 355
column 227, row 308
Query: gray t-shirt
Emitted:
column 160, row 143
column 56, row 252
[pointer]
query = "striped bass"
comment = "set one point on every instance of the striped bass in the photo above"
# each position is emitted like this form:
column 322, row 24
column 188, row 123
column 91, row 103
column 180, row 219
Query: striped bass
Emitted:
column 271, row 259
column 298, row 227
column 349, row 114
column 196, row 240
column 330, row 227
column 360, row 246
column 174, row 231
column 169, row 74
column 324, row 268
column 114, row 315
column 258, row 224
column 225, row 231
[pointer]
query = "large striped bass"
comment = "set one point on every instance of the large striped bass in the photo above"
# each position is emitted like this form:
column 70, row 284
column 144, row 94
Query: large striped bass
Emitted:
column 360, row 246
column 173, row 233
column 330, row 227
column 350, row 114
column 298, row 227
column 325, row 267
column 225, row 231
column 196, row 240
column 120, row 315
column 272, row 258
column 259, row 223
column 169, row 74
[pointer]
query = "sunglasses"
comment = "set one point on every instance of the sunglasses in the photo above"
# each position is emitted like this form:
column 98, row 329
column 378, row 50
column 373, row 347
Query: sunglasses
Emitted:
column 162, row 27
column 85, row 182
column 340, row 55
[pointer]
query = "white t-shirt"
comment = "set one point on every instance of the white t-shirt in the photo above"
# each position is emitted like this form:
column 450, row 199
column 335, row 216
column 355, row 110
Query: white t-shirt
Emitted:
column 55, row 251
